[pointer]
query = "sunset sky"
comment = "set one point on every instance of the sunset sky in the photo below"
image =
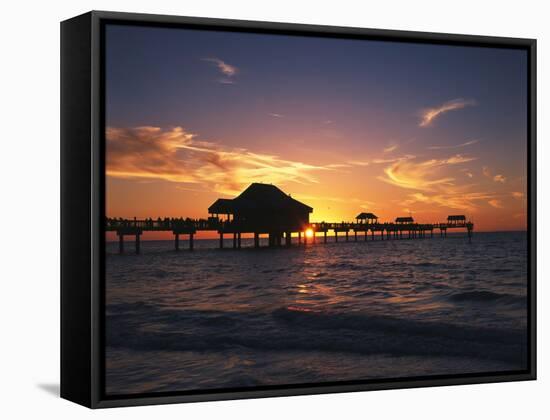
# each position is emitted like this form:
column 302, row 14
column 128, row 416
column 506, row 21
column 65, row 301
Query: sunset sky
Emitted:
column 343, row 125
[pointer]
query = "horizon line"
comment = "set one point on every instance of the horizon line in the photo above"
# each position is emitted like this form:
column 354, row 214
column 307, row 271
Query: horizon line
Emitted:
column 229, row 238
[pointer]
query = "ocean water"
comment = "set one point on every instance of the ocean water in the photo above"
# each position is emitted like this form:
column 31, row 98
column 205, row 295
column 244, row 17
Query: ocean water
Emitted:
column 179, row 321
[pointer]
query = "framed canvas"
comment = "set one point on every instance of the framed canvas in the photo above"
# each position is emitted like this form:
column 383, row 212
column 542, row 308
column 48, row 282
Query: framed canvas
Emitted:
column 256, row 209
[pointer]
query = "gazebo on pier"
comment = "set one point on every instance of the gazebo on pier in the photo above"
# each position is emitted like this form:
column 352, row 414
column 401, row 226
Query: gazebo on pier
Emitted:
column 368, row 218
column 456, row 220
column 404, row 220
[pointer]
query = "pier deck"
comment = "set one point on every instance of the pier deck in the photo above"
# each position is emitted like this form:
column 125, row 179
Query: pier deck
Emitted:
column 341, row 230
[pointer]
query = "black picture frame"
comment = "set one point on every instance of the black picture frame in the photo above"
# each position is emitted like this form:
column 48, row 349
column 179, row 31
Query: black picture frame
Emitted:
column 83, row 207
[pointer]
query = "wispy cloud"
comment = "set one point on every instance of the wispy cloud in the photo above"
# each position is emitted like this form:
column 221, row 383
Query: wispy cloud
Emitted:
column 378, row 161
column 227, row 70
column 428, row 115
column 518, row 195
column 338, row 165
column 175, row 155
column 433, row 184
column 292, row 118
column 488, row 173
column 392, row 160
column 497, row 204
column 391, row 148
column 454, row 198
column 359, row 162
column 467, row 172
column 323, row 199
column 456, row 146
column 422, row 176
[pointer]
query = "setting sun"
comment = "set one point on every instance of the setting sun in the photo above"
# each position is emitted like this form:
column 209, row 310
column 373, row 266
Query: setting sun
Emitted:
column 309, row 233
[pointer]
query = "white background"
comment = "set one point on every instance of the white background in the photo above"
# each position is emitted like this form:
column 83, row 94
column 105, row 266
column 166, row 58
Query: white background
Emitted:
column 29, row 206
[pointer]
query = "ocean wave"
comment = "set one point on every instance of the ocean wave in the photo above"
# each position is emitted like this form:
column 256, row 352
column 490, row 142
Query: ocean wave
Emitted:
column 489, row 297
column 346, row 265
column 502, row 270
column 145, row 327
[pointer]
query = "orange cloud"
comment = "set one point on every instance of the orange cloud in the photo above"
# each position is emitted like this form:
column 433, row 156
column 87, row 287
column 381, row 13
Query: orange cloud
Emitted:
column 517, row 195
column 421, row 176
column 359, row 162
column 455, row 198
column 176, row 155
column 497, row 204
column 392, row 160
column 497, row 178
column 428, row 115
column 433, row 183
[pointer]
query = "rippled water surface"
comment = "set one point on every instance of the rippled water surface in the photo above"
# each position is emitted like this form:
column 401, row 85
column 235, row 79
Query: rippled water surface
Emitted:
column 214, row 318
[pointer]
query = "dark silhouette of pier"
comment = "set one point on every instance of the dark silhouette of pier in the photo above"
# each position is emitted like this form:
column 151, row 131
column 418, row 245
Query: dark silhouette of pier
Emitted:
column 264, row 209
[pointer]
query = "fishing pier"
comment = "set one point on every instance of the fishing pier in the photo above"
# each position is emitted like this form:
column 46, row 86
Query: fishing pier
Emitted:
column 264, row 209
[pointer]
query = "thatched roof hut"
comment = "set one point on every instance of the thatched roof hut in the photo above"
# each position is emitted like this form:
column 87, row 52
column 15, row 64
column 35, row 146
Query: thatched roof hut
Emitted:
column 264, row 208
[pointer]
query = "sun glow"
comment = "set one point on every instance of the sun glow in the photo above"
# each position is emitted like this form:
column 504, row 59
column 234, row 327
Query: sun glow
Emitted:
column 309, row 233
